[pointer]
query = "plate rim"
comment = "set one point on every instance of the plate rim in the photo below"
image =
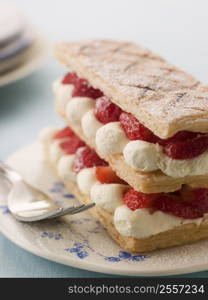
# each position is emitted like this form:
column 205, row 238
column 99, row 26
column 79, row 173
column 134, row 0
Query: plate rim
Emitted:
column 28, row 66
column 84, row 265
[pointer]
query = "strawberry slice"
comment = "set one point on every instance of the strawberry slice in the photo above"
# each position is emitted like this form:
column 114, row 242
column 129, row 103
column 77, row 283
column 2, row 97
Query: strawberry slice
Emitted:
column 180, row 137
column 187, row 149
column 189, row 204
column 135, row 130
column 70, row 78
column 177, row 207
column 135, row 200
column 107, row 175
column 200, row 200
column 71, row 145
column 86, row 158
column 83, row 89
column 64, row 133
column 106, row 111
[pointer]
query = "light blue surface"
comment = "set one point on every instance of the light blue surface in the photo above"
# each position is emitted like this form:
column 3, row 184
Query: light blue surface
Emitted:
column 25, row 107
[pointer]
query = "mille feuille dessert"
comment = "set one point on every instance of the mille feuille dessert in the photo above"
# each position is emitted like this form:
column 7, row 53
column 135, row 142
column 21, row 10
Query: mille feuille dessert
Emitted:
column 136, row 143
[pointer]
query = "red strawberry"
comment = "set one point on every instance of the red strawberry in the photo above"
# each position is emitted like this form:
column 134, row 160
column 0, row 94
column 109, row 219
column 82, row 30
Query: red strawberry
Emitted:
column 135, row 200
column 135, row 130
column 188, row 148
column 64, row 133
column 177, row 207
column 190, row 205
column 200, row 200
column 86, row 158
column 71, row 145
column 107, row 175
column 106, row 111
column 83, row 89
column 180, row 137
column 70, row 78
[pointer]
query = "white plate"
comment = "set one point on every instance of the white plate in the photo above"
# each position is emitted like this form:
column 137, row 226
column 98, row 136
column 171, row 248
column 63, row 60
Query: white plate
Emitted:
column 27, row 62
column 80, row 241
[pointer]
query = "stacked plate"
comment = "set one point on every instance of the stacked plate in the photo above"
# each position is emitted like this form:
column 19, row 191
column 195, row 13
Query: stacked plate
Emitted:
column 22, row 49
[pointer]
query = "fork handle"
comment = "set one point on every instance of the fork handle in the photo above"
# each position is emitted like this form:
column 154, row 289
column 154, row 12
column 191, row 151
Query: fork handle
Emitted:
column 11, row 175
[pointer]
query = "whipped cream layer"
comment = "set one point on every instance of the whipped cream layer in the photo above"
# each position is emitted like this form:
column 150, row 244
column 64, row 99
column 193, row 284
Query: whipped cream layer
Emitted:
column 62, row 93
column 86, row 178
column 76, row 109
column 90, row 124
column 140, row 223
column 65, row 168
column 107, row 196
column 111, row 139
column 145, row 156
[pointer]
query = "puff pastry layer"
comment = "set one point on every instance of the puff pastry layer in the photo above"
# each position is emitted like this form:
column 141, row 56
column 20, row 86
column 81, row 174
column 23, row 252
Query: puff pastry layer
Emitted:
column 184, row 234
column 162, row 97
column 149, row 182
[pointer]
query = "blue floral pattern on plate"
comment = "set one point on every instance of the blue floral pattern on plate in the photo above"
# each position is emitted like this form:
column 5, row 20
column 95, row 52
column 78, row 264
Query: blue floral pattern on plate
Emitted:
column 80, row 251
column 50, row 235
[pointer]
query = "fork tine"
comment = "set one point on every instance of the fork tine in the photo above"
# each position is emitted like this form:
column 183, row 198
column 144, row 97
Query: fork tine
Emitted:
column 83, row 208
column 78, row 209
column 62, row 212
column 73, row 210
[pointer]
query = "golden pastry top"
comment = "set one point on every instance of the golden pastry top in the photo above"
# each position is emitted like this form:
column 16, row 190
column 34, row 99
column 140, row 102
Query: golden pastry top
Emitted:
column 162, row 97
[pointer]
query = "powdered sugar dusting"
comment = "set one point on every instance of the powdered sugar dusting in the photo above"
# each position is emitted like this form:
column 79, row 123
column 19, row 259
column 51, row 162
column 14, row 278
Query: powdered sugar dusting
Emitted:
column 142, row 83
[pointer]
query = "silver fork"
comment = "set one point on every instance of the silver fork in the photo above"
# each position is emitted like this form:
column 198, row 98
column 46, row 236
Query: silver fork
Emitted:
column 29, row 204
